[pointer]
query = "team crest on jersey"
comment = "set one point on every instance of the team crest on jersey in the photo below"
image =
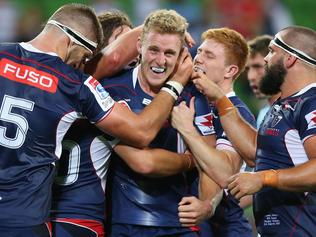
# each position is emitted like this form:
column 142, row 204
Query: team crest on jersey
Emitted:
column 311, row 119
column 205, row 123
column 275, row 116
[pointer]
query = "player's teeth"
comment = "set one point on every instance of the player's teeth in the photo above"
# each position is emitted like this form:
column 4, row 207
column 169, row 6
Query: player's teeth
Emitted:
column 158, row 69
column 199, row 69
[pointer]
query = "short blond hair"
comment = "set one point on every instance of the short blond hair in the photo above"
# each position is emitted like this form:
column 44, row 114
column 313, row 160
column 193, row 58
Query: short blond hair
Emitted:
column 235, row 45
column 165, row 21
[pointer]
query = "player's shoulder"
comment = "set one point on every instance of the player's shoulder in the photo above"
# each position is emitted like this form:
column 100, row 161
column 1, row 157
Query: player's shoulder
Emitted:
column 121, row 81
column 243, row 109
column 25, row 56
column 304, row 99
column 7, row 46
column 310, row 93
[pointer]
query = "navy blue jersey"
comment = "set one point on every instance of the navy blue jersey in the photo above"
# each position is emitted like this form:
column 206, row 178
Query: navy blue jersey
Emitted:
column 40, row 98
column 289, row 122
column 79, row 187
column 142, row 200
column 228, row 219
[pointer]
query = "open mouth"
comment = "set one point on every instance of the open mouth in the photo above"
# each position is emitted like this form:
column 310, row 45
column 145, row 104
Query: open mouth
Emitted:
column 254, row 88
column 199, row 69
column 158, row 70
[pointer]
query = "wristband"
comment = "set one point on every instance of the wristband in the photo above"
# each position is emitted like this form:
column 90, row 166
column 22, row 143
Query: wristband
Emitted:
column 172, row 93
column 176, row 85
column 172, row 88
column 224, row 106
column 270, row 178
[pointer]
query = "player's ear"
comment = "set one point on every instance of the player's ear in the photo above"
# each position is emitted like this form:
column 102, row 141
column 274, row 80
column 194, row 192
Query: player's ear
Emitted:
column 289, row 60
column 231, row 71
column 139, row 45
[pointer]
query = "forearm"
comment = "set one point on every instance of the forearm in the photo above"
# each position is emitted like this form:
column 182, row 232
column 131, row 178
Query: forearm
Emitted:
column 155, row 115
column 154, row 162
column 240, row 133
column 138, row 130
column 115, row 56
column 301, row 178
column 209, row 192
column 217, row 164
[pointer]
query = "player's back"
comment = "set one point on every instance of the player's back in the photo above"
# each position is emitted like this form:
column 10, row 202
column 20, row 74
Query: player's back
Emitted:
column 79, row 187
column 39, row 101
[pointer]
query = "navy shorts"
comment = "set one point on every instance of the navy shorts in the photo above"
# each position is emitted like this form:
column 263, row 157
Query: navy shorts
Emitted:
column 125, row 230
column 43, row 230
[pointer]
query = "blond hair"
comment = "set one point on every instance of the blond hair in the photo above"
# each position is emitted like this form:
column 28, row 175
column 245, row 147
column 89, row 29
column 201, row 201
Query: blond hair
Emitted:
column 165, row 22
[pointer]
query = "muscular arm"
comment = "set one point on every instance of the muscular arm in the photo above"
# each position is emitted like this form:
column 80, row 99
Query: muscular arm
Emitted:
column 115, row 56
column 154, row 162
column 218, row 164
column 210, row 191
column 300, row 178
column 241, row 134
column 139, row 130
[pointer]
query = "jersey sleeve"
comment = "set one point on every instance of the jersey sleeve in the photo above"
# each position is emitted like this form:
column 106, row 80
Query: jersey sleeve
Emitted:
column 306, row 122
column 222, row 141
column 247, row 115
column 96, row 102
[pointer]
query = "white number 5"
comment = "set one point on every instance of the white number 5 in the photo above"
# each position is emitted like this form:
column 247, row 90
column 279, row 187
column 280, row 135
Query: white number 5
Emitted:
column 7, row 115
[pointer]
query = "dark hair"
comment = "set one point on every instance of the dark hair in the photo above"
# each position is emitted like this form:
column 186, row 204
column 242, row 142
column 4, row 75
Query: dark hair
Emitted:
column 260, row 44
column 110, row 20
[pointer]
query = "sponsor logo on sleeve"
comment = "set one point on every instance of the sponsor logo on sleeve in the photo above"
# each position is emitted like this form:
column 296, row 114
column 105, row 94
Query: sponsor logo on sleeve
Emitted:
column 97, row 88
column 28, row 75
column 102, row 96
column 101, row 91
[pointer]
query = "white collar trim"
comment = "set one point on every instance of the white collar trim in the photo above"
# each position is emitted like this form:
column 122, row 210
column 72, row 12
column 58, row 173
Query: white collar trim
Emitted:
column 306, row 88
column 31, row 48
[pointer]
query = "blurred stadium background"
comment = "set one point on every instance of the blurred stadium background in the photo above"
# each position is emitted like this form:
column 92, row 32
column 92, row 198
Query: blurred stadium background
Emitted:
column 20, row 20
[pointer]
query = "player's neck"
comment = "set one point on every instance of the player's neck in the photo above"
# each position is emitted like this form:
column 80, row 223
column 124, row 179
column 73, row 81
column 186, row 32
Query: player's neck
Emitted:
column 44, row 43
column 146, row 87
